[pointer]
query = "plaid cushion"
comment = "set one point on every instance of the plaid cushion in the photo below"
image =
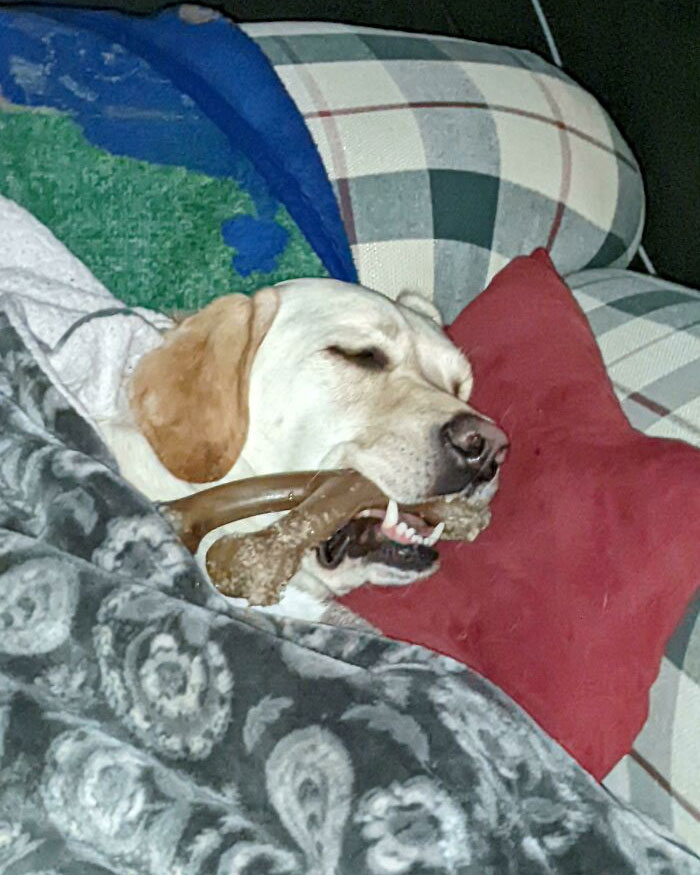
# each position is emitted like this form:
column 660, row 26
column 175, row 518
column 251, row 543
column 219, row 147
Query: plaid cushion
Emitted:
column 649, row 333
column 450, row 157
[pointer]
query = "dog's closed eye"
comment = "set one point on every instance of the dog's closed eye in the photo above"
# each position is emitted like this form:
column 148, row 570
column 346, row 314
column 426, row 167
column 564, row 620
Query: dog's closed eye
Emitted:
column 370, row 358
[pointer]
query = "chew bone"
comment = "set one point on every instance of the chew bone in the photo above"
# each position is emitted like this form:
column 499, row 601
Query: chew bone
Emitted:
column 464, row 518
column 195, row 515
column 256, row 566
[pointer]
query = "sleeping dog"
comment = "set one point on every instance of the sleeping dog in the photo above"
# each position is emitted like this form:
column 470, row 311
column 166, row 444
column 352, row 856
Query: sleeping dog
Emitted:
column 314, row 374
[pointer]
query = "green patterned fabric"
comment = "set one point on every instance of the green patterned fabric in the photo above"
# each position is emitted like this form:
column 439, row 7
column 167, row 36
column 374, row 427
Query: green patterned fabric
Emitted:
column 150, row 233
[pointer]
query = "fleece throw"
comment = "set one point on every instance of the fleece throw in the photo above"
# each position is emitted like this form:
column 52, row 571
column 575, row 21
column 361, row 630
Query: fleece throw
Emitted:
column 148, row 727
column 82, row 336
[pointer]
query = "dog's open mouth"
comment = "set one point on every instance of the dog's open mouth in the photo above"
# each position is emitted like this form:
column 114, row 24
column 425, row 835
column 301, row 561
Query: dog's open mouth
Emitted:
column 392, row 537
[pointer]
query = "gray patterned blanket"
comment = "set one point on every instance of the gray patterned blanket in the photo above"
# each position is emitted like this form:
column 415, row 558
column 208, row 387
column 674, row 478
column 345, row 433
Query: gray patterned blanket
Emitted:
column 146, row 726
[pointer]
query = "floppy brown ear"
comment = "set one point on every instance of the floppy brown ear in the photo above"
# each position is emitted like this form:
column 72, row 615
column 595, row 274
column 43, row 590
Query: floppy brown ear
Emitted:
column 190, row 395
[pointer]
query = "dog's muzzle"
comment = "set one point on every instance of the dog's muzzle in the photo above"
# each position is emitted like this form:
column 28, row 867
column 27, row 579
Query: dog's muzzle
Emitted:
column 471, row 450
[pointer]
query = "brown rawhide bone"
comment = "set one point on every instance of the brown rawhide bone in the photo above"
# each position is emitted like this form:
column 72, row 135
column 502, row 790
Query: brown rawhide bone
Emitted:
column 202, row 512
column 196, row 515
column 464, row 518
column 256, row 566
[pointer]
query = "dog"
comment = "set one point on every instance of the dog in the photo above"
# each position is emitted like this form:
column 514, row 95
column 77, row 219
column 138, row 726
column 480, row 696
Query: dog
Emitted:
column 314, row 374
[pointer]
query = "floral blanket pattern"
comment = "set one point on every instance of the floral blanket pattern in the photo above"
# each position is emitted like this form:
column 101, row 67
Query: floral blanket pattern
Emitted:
column 146, row 726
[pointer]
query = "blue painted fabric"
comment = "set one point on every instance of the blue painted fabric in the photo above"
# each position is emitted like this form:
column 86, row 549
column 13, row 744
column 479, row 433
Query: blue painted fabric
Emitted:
column 202, row 97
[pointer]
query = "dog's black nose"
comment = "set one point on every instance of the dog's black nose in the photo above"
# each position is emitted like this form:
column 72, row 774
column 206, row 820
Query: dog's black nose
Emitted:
column 474, row 449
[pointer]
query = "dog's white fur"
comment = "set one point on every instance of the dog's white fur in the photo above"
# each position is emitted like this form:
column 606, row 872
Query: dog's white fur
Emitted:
column 311, row 408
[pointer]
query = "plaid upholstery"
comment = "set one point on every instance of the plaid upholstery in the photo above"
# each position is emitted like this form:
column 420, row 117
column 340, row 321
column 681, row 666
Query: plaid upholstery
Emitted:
column 449, row 157
column 649, row 333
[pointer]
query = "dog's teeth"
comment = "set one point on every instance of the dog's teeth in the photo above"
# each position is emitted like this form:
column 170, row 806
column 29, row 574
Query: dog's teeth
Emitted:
column 417, row 539
column 391, row 517
column 435, row 535
column 401, row 529
column 409, row 533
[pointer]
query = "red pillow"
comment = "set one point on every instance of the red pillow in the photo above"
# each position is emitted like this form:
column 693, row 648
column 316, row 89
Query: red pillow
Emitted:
column 567, row 600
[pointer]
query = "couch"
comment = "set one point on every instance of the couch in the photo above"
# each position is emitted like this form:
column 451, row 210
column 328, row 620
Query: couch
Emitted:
column 521, row 158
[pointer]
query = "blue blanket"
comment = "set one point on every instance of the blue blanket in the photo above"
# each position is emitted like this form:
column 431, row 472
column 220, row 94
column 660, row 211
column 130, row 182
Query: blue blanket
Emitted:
column 166, row 155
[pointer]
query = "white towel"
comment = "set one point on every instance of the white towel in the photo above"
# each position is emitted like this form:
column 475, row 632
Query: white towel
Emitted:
column 67, row 319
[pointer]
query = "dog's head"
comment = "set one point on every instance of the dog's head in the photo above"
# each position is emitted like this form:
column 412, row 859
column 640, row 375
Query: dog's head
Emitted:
column 321, row 374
